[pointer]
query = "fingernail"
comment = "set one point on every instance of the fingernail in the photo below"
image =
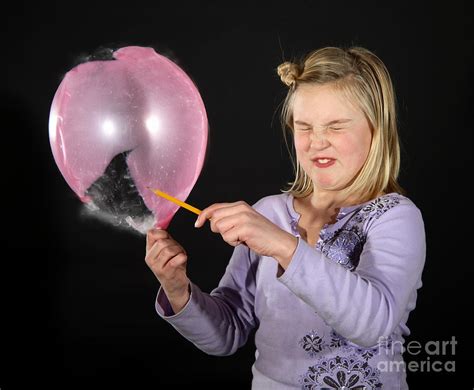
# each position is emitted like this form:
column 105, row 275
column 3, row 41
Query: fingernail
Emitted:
column 196, row 223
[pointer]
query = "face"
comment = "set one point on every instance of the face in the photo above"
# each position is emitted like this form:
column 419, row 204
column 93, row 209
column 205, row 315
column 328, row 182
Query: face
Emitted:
column 332, row 136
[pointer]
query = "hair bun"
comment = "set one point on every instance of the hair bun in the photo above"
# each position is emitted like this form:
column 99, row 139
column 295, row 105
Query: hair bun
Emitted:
column 288, row 72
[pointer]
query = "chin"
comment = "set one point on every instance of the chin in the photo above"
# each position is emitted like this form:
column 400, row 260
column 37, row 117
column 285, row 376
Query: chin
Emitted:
column 324, row 184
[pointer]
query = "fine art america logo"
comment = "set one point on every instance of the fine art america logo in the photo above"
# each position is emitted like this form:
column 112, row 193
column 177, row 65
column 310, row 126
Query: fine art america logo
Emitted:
column 432, row 356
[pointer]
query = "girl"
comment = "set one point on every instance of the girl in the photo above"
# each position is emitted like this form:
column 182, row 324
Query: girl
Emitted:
column 328, row 270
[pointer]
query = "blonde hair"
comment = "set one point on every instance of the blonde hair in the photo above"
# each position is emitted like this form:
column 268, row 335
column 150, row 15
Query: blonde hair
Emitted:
column 363, row 77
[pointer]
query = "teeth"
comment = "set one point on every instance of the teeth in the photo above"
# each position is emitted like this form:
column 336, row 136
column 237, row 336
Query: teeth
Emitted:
column 323, row 160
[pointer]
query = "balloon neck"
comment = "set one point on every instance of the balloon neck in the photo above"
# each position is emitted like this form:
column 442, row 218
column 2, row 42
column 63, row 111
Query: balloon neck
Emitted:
column 163, row 223
column 85, row 199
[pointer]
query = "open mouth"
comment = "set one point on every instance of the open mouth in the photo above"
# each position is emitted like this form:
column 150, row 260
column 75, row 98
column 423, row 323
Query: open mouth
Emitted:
column 324, row 162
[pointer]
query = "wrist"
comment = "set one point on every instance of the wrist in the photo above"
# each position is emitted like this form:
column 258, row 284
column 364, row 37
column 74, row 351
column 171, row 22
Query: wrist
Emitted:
column 286, row 248
column 174, row 292
column 178, row 298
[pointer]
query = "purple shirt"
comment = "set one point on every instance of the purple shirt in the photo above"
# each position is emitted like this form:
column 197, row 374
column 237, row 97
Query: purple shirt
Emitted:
column 336, row 317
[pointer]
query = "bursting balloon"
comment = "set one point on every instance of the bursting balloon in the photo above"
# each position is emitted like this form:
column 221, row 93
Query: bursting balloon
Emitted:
column 119, row 126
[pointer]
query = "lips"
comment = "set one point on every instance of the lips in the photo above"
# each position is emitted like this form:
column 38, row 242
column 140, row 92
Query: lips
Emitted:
column 323, row 162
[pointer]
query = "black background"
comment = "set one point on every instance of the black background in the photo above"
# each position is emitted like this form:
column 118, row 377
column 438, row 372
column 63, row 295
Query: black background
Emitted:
column 77, row 297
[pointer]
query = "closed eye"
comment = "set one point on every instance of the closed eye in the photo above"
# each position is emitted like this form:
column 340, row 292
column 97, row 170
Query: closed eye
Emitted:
column 307, row 129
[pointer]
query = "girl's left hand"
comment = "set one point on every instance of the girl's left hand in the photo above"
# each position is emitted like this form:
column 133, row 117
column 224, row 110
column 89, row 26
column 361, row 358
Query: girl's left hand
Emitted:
column 239, row 223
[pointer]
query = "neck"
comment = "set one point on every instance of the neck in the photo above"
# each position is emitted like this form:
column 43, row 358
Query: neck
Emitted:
column 323, row 206
column 324, row 200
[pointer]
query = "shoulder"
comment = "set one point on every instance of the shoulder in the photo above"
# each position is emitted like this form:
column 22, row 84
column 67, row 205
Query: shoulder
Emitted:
column 271, row 202
column 272, row 205
column 377, row 207
column 392, row 208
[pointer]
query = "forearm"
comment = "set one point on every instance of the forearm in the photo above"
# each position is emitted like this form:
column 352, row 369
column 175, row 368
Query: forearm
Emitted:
column 207, row 321
column 363, row 305
column 369, row 299
column 220, row 322
column 352, row 306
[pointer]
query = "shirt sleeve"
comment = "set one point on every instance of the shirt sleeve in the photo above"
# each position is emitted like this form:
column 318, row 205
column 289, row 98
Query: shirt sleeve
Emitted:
column 369, row 302
column 220, row 322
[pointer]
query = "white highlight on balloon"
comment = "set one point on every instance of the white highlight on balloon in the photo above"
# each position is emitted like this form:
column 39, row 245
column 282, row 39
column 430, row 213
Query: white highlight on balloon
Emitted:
column 53, row 122
column 108, row 128
column 153, row 124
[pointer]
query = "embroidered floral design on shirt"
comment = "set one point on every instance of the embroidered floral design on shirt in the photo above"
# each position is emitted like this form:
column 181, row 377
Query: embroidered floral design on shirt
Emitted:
column 341, row 373
column 312, row 343
column 377, row 207
column 337, row 341
column 367, row 353
column 345, row 244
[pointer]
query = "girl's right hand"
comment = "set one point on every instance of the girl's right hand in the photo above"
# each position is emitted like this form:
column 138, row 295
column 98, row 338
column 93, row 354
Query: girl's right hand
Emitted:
column 167, row 259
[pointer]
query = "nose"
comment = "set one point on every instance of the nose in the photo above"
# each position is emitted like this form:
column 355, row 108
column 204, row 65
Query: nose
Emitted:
column 319, row 136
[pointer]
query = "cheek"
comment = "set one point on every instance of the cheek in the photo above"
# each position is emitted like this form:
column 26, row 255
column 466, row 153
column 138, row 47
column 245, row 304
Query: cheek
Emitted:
column 355, row 150
column 302, row 146
column 301, row 143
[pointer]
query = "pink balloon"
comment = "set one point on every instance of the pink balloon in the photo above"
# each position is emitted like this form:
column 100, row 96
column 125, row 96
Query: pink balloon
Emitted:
column 141, row 103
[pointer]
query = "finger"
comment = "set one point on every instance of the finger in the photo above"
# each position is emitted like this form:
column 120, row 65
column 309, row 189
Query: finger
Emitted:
column 178, row 260
column 152, row 255
column 232, row 208
column 224, row 223
column 207, row 213
column 238, row 215
column 158, row 258
column 219, row 210
column 153, row 235
column 233, row 236
column 167, row 254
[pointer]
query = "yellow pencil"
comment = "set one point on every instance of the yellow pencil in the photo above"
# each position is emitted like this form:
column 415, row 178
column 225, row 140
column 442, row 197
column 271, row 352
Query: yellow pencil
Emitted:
column 176, row 201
